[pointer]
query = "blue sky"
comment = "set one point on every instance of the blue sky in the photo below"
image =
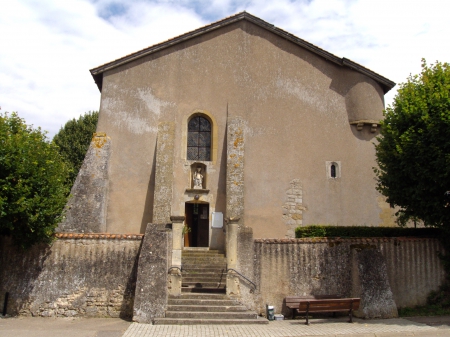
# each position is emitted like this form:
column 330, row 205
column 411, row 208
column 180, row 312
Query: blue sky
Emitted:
column 47, row 46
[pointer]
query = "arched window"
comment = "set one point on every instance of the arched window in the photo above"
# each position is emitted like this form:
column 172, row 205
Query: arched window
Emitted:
column 199, row 139
column 333, row 171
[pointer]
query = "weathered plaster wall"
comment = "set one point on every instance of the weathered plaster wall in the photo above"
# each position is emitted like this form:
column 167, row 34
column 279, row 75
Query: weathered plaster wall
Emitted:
column 408, row 269
column 86, row 209
column 78, row 275
column 295, row 107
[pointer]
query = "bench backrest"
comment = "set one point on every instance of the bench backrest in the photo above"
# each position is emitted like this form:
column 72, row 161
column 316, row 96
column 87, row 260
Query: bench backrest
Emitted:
column 329, row 305
column 294, row 301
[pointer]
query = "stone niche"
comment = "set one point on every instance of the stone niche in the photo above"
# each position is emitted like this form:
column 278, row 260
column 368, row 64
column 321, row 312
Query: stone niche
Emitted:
column 198, row 177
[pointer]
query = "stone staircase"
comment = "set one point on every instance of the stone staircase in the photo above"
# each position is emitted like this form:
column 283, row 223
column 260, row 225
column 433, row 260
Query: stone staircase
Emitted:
column 203, row 297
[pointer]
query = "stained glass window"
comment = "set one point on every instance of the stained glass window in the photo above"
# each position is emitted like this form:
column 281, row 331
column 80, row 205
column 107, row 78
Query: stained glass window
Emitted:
column 199, row 139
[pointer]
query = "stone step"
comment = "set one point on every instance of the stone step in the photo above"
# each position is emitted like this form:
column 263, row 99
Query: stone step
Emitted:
column 206, row 314
column 208, row 273
column 203, row 269
column 211, row 266
column 203, row 261
column 200, row 278
column 207, row 308
column 203, row 256
column 215, row 321
column 201, row 301
column 202, row 253
column 203, row 290
column 204, row 284
column 203, row 296
column 199, row 249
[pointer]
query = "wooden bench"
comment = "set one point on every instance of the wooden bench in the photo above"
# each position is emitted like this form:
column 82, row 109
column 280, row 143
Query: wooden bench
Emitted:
column 324, row 303
column 293, row 302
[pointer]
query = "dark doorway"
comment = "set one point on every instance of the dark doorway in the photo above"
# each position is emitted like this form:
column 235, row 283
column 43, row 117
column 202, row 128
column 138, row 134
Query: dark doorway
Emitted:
column 197, row 219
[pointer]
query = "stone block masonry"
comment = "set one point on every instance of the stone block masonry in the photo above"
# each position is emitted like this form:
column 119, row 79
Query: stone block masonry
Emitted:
column 89, row 275
column 164, row 173
column 235, row 168
column 293, row 208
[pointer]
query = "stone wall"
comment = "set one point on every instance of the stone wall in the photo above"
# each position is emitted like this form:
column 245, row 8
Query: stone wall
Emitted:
column 235, row 168
column 293, row 208
column 163, row 173
column 151, row 285
column 78, row 275
column 289, row 267
column 95, row 274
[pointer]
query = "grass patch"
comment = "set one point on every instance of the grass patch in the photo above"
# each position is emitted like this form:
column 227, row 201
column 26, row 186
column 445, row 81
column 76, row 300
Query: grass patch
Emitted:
column 425, row 310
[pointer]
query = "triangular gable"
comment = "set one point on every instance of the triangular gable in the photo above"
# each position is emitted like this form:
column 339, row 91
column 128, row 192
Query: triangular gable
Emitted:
column 97, row 73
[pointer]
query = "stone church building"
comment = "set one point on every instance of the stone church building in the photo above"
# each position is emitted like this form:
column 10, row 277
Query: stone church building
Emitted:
column 211, row 148
column 280, row 131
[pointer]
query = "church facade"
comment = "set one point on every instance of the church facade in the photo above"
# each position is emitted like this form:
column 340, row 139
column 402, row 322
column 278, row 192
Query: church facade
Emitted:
column 238, row 119
column 211, row 148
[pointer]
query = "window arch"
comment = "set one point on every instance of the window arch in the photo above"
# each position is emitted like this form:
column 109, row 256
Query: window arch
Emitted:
column 199, row 139
column 333, row 171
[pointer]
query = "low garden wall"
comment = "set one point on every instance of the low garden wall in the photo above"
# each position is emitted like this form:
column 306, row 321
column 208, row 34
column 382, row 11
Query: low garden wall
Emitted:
column 384, row 272
column 96, row 274
column 78, row 275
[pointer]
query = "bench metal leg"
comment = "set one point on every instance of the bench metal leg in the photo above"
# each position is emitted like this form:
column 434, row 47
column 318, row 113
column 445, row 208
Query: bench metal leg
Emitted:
column 307, row 313
column 350, row 313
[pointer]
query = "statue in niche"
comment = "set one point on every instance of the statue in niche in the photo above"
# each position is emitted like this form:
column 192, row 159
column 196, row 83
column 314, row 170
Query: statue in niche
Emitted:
column 198, row 178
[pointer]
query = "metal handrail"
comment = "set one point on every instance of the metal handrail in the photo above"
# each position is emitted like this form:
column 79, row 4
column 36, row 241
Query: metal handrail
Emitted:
column 174, row 268
column 254, row 285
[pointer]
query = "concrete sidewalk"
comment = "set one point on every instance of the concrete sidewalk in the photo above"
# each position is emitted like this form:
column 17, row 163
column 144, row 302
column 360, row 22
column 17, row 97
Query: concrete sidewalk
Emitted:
column 113, row 327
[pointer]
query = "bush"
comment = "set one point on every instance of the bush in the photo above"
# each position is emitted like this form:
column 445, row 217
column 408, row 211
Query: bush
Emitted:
column 33, row 182
column 363, row 231
column 413, row 150
column 73, row 140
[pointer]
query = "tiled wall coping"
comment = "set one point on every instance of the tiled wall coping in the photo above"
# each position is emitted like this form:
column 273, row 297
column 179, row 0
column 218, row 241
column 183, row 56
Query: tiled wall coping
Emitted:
column 108, row 236
column 99, row 236
column 338, row 239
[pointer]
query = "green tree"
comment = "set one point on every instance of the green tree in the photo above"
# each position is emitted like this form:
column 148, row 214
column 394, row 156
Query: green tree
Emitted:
column 413, row 150
column 33, row 182
column 74, row 138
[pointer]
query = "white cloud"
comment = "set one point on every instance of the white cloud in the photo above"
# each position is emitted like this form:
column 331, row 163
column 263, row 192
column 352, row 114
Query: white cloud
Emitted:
column 47, row 47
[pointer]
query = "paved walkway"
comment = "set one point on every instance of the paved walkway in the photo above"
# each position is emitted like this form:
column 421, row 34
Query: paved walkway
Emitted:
column 62, row 327
column 111, row 327
column 289, row 328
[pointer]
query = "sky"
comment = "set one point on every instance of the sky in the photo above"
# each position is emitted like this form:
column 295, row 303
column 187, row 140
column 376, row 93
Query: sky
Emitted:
column 48, row 46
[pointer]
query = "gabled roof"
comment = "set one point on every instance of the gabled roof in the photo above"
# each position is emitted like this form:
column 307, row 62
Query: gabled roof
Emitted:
column 97, row 73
